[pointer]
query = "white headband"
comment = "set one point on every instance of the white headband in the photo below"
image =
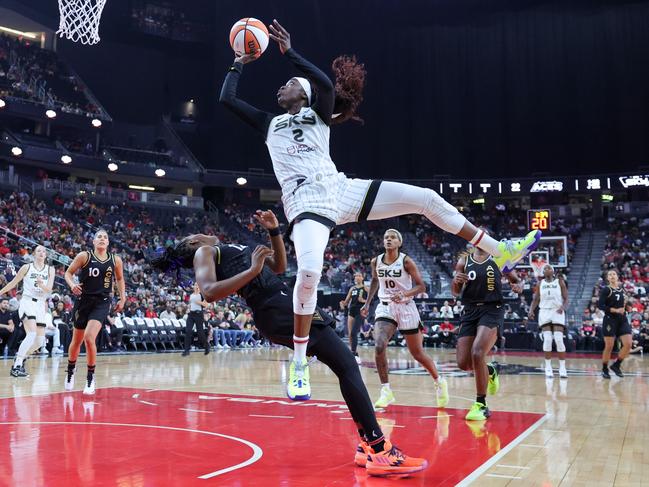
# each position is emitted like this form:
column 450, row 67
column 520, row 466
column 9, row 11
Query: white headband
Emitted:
column 306, row 86
column 397, row 232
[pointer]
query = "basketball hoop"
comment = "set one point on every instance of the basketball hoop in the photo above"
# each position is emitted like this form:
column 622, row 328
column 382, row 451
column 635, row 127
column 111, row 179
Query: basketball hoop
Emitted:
column 79, row 20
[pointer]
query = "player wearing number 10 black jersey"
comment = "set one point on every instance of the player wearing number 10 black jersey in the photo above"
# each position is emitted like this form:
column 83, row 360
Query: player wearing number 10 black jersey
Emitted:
column 99, row 269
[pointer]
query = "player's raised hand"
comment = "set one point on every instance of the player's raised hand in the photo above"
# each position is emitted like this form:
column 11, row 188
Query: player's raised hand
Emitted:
column 258, row 259
column 280, row 35
column 266, row 219
column 245, row 58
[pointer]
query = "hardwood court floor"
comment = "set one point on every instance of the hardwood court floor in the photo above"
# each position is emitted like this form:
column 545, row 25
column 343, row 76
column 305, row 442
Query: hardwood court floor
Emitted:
column 161, row 419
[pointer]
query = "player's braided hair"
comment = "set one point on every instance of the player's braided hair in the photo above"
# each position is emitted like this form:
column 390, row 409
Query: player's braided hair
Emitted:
column 350, row 80
column 175, row 258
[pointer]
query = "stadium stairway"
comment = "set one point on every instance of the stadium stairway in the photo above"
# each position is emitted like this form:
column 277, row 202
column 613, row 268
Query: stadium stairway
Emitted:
column 585, row 270
column 424, row 260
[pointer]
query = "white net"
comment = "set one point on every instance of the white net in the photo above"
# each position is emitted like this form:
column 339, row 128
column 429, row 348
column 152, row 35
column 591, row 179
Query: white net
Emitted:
column 79, row 20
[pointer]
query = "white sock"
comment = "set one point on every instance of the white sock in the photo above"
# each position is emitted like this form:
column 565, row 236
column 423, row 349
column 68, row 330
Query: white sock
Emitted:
column 24, row 348
column 299, row 348
column 562, row 364
column 485, row 242
column 386, row 386
column 548, row 363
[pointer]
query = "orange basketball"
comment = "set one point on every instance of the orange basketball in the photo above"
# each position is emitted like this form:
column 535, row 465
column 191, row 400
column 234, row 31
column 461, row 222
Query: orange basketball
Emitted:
column 249, row 35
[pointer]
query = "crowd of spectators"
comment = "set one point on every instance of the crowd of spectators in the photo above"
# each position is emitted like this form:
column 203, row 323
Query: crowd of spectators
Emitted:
column 38, row 75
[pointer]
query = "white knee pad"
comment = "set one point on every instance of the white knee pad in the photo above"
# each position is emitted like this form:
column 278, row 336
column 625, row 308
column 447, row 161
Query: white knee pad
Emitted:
column 442, row 213
column 558, row 339
column 305, row 292
column 547, row 341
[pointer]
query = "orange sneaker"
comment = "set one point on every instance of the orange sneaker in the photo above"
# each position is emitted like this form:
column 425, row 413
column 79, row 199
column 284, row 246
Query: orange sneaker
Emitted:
column 362, row 450
column 393, row 461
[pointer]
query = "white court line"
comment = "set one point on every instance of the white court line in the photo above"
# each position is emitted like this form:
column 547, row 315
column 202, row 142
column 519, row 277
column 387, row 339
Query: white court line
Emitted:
column 269, row 416
column 512, row 466
column 257, row 452
column 149, row 403
column 494, row 460
column 195, row 410
column 436, row 416
column 553, row 431
column 502, row 476
column 151, row 390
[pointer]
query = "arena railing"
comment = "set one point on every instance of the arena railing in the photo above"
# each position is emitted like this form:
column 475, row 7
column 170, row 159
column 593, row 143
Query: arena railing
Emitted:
column 110, row 194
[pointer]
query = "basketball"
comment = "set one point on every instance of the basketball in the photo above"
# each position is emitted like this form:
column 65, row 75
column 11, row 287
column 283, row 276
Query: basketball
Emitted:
column 249, row 35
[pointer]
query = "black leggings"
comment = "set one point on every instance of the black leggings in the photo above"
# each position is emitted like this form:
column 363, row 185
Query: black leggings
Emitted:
column 195, row 317
column 356, row 329
column 333, row 352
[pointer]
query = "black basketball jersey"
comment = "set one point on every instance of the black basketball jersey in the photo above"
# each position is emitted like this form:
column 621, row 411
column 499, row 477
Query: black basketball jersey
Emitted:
column 484, row 284
column 232, row 259
column 612, row 298
column 354, row 303
column 97, row 275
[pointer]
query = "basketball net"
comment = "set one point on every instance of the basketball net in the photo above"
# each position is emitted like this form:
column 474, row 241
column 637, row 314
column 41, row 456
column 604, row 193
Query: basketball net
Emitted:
column 537, row 267
column 79, row 20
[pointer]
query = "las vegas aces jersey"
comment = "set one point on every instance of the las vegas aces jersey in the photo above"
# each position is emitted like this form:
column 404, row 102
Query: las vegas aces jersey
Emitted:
column 392, row 277
column 299, row 146
column 97, row 275
column 484, row 284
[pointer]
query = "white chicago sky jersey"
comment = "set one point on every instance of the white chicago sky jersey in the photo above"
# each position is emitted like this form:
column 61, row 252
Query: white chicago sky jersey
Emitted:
column 30, row 289
column 299, row 147
column 392, row 278
column 550, row 294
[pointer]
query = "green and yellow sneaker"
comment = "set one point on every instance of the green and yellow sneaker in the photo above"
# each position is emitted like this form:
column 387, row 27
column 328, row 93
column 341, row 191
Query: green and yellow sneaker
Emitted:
column 441, row 390
column 298, row 387
column 513, row 251
column 478, row 412
column 385, row 399
column 494, row 381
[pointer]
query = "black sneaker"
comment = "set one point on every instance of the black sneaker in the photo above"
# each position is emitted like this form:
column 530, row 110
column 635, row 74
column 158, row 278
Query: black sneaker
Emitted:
column 184, row 354
column 207, row 350
column 616, row 368
column 605, row 373
column 19, row 372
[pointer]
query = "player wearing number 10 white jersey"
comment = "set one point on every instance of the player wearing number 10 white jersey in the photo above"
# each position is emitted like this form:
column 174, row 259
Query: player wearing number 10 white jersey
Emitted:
column 393, row 274
column 316, row 196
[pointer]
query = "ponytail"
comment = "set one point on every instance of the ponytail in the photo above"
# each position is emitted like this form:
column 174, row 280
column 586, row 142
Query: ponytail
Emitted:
column 350, row 81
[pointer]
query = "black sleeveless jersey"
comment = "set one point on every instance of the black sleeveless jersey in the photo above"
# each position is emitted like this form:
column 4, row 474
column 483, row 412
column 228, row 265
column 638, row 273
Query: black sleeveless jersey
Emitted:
column 611, row 298
column 97, row 275
column 232, row 259
column 354, row 303
column 484, row 285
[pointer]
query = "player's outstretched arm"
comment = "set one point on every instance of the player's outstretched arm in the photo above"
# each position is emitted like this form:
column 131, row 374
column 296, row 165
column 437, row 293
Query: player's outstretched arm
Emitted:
column 213, row 290
column 324, row 104
column 256, row 118
column 14, row 282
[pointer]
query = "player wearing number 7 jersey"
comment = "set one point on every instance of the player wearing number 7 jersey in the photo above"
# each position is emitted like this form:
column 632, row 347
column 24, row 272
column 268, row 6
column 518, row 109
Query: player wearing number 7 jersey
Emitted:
column 317, row 197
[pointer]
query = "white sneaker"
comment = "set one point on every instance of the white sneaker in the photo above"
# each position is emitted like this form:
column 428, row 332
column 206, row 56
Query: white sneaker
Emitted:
column 358, row 359
column 90, row 388
column 69, row 382
column 548, row 372
column 219, row 346
column 563, row 373
column 57, row 351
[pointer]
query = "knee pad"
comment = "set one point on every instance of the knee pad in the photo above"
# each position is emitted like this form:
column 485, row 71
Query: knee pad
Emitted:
column 305, row 293
column 547, row 341
column 558, row 339
column 443, row 214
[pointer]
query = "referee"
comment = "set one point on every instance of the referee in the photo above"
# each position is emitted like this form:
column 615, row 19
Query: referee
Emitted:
column 195, row 317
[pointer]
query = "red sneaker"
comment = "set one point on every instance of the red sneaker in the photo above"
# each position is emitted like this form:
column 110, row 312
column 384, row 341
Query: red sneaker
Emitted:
column 362, row 450
column 392, row 461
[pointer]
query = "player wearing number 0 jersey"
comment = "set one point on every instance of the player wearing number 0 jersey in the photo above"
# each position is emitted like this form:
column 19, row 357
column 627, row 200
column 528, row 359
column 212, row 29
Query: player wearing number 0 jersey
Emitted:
column 38, row 280
column 551, row 297
column 316, row 196
column 393, row 273
column 478, row 280
column 99, row 270
column 222, row 270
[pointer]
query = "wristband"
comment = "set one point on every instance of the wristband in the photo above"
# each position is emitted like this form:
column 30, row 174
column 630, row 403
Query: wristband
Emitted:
column 274, row 232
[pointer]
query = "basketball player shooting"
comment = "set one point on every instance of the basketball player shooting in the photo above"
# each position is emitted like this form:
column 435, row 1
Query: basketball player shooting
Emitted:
column 316, row 197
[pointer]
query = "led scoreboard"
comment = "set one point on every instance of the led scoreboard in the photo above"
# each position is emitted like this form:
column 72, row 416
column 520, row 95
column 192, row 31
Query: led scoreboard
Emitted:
column 538, row 219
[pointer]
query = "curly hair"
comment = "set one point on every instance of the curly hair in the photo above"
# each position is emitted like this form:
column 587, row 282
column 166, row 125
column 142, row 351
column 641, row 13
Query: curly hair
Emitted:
column 350, row 81
column 175, row 259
